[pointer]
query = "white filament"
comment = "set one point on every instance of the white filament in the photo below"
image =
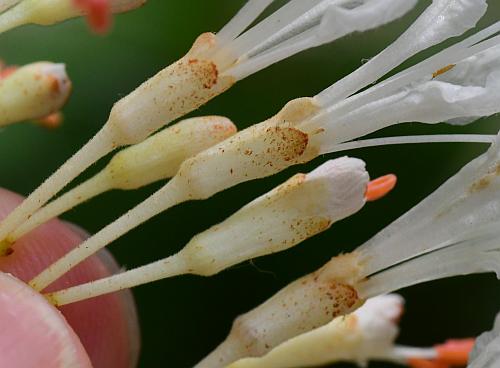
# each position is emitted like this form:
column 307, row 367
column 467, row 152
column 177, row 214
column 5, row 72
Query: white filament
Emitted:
column 415, row 139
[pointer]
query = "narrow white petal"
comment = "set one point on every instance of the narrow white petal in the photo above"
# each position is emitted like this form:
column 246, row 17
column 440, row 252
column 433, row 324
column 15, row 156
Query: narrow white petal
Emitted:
column 468, row 201
column 442, row 20
column 298, row 26
column 486, row 353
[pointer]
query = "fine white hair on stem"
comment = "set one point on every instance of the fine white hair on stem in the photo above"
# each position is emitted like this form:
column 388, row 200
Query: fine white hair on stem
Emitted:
column 300, row 25
column 298, row 209
column 443, row 19
column 465, row 203
column 158, row 157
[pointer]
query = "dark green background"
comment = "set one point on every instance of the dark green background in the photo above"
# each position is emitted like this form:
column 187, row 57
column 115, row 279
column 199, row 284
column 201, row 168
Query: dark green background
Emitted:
column 182, row 319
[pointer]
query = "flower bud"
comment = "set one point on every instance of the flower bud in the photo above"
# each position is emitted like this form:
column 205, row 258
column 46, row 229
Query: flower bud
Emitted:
column 33, row 91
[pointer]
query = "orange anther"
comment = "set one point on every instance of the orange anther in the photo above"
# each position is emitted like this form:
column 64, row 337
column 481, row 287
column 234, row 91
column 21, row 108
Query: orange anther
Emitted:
column 98, row 13
column 455, row 352
column 422, row 363
column 380, row 187
column 51, row 121
column 443, row 70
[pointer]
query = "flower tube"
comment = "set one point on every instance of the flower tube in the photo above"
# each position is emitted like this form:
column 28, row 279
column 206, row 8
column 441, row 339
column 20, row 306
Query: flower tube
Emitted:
column 300, row 208
column 202, row 74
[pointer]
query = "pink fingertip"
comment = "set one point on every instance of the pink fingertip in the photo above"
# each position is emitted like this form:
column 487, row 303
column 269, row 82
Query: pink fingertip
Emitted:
column 34, row 333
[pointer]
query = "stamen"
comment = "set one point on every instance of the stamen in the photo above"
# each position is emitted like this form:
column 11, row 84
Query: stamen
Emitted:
column 443, row 70
column 413, row 139
column 455, row 352
column 380, row 187
column 51, row 121
column 98, row 13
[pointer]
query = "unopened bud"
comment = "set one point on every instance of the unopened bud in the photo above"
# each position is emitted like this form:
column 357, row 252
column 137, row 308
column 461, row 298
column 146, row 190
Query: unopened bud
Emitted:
column 33, row 91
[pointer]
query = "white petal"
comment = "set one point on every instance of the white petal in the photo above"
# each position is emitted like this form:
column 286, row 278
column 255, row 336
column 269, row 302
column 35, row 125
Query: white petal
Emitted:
column 442, row 20
column 359, row 16
column 466, row 203
column 300, row 25
column 486, row 353
column 471, row 89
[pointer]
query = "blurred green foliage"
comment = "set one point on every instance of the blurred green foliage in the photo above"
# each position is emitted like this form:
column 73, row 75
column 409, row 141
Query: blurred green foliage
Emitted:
column 184, row 318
